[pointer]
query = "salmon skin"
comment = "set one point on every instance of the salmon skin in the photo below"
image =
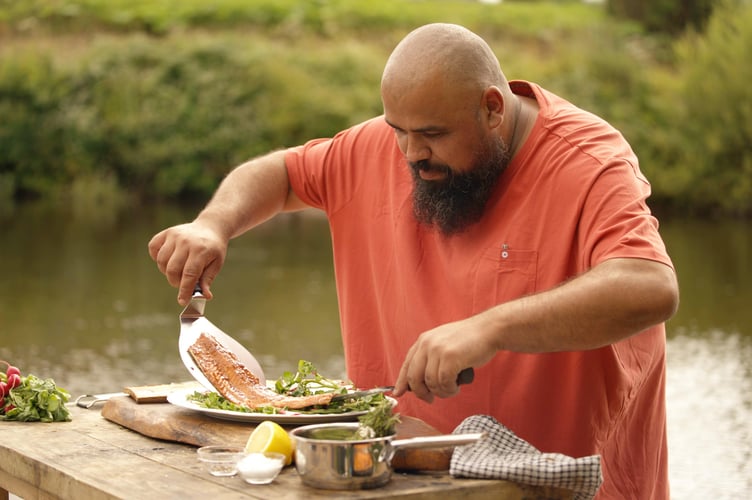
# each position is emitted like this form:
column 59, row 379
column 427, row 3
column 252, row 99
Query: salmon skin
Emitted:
column 237, row 384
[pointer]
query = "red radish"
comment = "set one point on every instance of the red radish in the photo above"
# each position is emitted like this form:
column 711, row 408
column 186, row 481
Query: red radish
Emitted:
column 14, row 380
column 4, row 390
column 10, row 369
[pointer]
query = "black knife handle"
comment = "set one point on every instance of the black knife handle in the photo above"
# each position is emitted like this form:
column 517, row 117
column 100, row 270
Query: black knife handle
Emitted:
column 466, row 376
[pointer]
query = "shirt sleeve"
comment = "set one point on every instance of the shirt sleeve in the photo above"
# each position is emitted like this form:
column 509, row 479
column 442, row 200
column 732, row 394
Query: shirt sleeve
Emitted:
column 328, row 173
column 616, row 221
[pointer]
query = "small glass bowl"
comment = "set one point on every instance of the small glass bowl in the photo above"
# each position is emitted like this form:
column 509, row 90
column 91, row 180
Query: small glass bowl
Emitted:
column 260, row 468
column 220, row 460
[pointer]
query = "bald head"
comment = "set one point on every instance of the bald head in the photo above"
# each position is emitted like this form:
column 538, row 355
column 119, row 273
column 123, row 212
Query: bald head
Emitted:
column 446, row 99
column 445, row 52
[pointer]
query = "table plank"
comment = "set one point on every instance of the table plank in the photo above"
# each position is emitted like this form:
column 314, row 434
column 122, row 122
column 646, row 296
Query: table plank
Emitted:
column 91, row 458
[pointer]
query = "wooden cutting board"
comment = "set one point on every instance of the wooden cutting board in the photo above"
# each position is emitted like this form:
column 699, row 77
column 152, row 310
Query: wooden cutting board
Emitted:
column 172, row 423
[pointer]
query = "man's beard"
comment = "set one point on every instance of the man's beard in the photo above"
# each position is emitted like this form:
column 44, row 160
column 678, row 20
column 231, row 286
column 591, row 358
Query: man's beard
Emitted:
column 459, row 200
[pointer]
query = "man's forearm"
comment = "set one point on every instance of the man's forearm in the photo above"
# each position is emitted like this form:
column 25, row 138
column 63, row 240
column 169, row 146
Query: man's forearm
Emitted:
column 251, row 194
column 609, row 303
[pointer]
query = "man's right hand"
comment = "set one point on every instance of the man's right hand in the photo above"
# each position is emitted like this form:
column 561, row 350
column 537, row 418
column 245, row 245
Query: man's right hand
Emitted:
column 189, row 253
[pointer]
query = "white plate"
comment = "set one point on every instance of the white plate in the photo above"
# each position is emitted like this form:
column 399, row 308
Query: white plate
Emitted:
column 180, row 398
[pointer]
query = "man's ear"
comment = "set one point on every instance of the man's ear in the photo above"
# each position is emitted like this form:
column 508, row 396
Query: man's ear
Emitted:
column 494, row 106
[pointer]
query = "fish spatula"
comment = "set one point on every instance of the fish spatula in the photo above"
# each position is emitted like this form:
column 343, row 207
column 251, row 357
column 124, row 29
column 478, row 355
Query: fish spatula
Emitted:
column 192, row 324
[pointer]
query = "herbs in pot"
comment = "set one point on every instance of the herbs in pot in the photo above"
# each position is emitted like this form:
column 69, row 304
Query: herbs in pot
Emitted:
column 380, row 421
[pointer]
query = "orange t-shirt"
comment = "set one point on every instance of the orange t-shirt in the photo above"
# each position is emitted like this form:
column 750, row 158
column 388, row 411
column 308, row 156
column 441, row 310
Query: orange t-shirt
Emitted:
column 572, row 197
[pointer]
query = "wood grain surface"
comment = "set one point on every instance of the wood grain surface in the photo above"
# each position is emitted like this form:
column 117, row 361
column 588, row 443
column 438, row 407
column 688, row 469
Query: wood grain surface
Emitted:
column 92, row 458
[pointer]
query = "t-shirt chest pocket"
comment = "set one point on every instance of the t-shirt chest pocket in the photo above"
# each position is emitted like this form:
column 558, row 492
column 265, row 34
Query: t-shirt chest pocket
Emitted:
column 503, row 274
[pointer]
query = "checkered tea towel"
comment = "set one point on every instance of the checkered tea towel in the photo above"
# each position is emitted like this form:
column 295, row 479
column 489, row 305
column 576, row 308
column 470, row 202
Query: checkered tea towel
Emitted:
column 503, row 455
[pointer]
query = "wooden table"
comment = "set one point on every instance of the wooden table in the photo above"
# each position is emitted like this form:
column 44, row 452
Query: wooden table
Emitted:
column 93, row 458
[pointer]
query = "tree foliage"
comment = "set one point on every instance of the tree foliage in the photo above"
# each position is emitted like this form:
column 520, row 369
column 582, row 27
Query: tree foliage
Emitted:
column 665, row 16
column 714, row 158
column 163, row 101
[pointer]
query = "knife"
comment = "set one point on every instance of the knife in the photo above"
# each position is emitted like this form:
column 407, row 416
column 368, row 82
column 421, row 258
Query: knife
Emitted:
column 465, row 377
column 361, row 394
column 140, row 394
column 89, row 400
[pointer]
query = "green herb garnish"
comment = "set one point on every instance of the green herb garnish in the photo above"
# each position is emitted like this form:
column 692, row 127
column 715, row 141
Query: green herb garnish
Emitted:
column 215, row 401
column 380, row 421
column 306, row 382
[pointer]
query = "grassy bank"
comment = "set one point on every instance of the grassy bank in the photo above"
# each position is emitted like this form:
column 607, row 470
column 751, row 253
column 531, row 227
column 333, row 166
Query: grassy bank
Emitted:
column 161, row 98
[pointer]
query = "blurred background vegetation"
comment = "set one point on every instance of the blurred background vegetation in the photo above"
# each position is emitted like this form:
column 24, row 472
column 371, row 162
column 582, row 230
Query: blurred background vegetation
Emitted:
column 157, row 99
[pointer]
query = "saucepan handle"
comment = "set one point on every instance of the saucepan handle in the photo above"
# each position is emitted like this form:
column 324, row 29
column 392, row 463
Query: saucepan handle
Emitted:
column 438, row 441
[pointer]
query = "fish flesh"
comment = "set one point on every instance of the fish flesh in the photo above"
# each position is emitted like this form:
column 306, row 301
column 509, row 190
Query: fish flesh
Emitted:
column 237, row 384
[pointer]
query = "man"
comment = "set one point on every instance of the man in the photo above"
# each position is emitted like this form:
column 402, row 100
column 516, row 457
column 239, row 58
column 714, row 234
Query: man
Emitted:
column 479, row 223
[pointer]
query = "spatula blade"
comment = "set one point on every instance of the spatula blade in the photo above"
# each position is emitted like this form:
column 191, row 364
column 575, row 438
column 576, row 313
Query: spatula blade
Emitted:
column 192, row 324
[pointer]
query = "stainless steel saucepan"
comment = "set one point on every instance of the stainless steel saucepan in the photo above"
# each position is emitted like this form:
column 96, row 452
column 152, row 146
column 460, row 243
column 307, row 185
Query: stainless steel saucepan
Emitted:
column 327, row 455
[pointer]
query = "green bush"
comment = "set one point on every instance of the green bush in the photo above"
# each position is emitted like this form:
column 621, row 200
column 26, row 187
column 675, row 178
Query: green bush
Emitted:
column 169, row 115
column 665, row 16
column 703, row 140
column 362, row 18
column 163, row 98
column 164, row 118
column 168, row 118
column 34, row 139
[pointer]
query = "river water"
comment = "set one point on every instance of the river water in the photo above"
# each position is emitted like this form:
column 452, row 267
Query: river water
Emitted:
column 81, row 302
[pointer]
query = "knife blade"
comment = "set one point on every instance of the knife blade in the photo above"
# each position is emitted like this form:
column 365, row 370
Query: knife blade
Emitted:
column 361, row 394
column 465, row 377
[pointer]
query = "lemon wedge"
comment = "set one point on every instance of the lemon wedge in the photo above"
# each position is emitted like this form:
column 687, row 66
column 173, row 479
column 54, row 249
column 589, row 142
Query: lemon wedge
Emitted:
column 270, row 436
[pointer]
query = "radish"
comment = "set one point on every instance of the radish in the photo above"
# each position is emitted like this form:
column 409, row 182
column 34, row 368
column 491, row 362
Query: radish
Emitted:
column 10, row 370
column 14, row 381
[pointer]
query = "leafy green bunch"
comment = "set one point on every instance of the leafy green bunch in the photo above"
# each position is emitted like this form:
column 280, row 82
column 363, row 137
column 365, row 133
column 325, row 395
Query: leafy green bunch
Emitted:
column 36, row 400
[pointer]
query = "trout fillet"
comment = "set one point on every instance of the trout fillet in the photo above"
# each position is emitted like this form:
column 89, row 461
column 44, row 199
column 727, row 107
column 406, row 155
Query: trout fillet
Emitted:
column 237, row 384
